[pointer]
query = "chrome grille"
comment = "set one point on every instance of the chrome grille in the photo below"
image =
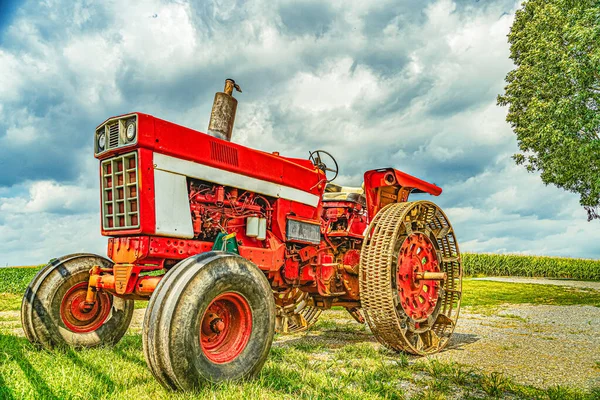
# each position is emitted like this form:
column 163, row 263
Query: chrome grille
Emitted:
column 113, row 135
column 120, row 205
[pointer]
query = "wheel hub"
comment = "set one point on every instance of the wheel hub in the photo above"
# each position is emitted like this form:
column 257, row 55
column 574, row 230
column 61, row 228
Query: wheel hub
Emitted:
column 225, row 327
column 78, row 316
column 417, row 260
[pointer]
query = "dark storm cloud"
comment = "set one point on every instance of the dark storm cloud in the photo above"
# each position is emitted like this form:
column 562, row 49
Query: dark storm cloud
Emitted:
column 384, row 61
column 27, row 163
column 306, row 18
column 399, row 99
column 63, row 134
column 175, row 92
column 399, row 13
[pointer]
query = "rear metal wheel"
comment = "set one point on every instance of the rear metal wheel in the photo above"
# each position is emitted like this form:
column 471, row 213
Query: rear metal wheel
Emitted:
column 410, row 277
column 295, row 312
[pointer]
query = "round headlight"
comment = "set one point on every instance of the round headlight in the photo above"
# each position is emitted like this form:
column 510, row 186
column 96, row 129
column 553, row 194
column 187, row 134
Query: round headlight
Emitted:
column 101, row 141
column 131, row 131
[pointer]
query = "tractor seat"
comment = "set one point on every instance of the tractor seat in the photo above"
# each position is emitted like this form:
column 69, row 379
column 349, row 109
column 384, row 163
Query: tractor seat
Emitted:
column 335, row 192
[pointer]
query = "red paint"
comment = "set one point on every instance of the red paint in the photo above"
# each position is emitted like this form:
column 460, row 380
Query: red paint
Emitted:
column 418, row 297
column 75, row 317
column 352, row 258
column 327, row 269
column 390, row 177
column 225, row 327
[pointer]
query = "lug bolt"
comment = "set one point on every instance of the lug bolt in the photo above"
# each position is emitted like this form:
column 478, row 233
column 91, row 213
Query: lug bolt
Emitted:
column 217, row 325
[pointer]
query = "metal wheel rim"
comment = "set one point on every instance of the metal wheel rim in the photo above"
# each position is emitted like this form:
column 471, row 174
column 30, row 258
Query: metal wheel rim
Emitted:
column 225, row 327
column 75, row 318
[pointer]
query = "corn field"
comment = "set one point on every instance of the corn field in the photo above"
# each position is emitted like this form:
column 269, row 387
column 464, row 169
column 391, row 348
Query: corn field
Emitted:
column 534, row 266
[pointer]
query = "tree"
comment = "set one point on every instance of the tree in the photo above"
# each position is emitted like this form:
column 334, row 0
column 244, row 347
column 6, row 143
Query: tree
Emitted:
column 553, row 94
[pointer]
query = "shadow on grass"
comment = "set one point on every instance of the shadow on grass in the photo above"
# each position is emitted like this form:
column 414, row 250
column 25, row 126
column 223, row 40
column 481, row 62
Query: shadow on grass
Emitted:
column 130, row 342
column 329, row 339
column 334, row 339
column 5, row 392
column 13, row 350
column 107, row 382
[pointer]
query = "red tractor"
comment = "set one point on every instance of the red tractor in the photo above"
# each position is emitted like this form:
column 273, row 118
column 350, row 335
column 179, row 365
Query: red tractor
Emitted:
column 231, row 244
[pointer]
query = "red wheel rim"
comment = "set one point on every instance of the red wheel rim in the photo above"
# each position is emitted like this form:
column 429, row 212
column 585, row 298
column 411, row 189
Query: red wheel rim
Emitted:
column 225, row 327
column 418, row 297
column 76, row 317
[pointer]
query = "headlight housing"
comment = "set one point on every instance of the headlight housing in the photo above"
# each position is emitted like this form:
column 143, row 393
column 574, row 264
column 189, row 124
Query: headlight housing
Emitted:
column 130, row 131
column 116, row 132
column 101, row 141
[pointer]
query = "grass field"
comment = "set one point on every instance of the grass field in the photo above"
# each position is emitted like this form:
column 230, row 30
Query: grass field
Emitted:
column 353, row 368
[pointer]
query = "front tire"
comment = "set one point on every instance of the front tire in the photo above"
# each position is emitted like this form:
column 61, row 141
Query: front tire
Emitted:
column 50, row 313
column 210, row 319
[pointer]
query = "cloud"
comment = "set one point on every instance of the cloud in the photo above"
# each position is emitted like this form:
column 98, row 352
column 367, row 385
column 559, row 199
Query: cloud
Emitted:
column 51, row 197
column 410, row 84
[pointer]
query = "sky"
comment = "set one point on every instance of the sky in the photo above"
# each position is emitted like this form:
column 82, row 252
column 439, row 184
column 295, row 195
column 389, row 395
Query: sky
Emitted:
column 403, row 83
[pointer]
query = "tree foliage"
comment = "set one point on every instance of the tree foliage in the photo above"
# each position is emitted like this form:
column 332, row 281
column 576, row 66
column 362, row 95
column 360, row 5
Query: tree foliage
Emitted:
column 553, row 94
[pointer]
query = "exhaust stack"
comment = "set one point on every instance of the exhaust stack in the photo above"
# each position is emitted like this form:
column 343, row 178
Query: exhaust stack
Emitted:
column 222, row 115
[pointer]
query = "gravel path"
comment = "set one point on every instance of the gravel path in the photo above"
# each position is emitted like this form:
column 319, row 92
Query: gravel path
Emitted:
column 534, row 344
column 543, row 281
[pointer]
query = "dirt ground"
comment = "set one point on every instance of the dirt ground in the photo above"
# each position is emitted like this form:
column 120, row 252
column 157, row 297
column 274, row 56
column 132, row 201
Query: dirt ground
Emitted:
column 537, row 345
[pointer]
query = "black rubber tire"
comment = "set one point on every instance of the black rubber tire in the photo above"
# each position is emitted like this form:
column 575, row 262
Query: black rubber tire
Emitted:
column 40, row 308
column 171, row 334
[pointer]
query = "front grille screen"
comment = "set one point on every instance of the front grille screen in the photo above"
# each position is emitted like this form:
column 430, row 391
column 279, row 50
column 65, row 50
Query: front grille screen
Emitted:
column 120, row 192
column 113, row 135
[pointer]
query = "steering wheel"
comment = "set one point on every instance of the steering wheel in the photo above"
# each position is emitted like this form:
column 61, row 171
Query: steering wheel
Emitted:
column 316, row 158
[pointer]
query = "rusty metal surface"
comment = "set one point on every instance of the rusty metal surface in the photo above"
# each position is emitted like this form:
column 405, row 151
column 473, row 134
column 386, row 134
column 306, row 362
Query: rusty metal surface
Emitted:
column 222, row 115
column 295, row 311
column 378, row 287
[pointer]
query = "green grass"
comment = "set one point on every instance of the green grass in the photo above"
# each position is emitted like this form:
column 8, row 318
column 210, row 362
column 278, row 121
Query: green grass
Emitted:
column 353, row 371
column 492, row 294
column 533, row 266
column 10, row 301
column 15, row 280
column 336, row 360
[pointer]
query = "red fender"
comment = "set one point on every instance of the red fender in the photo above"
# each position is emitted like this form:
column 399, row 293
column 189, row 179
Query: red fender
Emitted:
column 388, row 185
